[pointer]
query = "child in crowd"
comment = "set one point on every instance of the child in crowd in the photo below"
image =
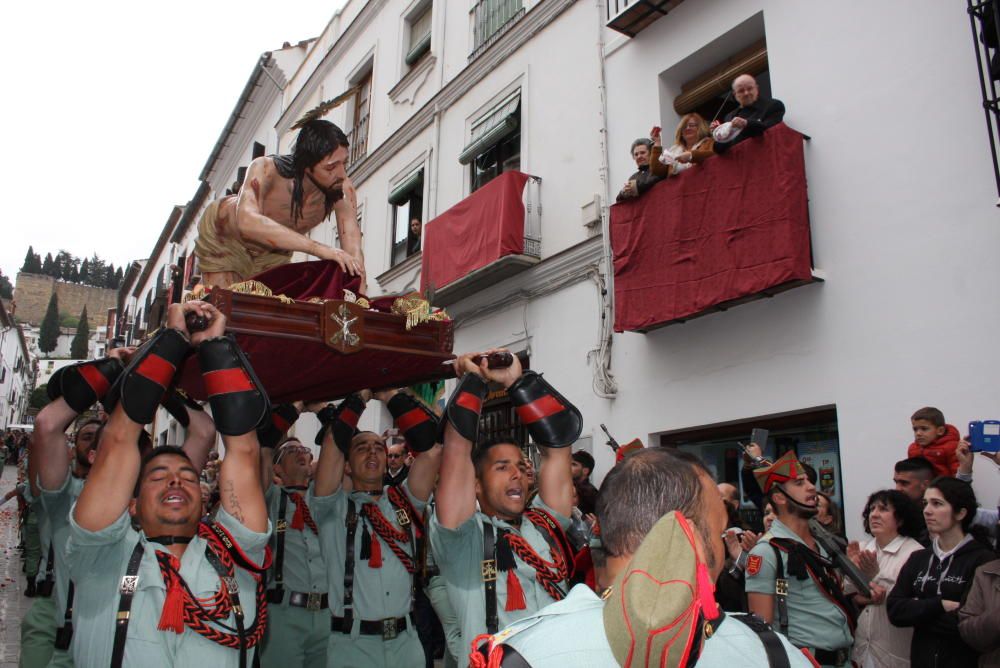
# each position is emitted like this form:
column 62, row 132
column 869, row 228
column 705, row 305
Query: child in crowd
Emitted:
column 934, row 440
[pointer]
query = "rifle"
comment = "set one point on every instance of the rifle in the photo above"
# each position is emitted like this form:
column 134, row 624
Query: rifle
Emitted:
column 846, row 566
column 612, row 443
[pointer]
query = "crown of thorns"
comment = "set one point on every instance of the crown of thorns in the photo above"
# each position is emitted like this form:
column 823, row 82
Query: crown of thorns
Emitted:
column 323, row 108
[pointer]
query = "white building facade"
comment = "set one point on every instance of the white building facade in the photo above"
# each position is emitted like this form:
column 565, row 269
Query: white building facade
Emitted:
column 17, row 371
column 447, row 95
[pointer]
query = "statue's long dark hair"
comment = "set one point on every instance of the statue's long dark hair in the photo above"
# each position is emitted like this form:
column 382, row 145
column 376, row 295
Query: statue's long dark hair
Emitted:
column 316, row 140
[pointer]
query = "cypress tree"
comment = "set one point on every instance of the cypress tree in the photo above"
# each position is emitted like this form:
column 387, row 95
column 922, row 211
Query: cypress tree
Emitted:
column 49, row 266
column 78, row 349
column 30, row 262
column 48, row 334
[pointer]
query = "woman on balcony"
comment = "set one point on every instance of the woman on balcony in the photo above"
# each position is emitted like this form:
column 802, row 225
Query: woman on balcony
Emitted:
column 693, row 143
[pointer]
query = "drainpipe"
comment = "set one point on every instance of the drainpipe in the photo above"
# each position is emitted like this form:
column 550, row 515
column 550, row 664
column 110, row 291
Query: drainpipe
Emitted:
column 605, row 385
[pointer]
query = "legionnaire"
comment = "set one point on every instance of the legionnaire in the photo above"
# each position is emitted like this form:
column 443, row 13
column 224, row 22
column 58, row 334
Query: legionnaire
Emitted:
column 790, row 580
column 38, row 628
column 72, row 390
column 369, row 535
column 298, row 606
column 660, row 554
column 502, row 563
column 154, row 586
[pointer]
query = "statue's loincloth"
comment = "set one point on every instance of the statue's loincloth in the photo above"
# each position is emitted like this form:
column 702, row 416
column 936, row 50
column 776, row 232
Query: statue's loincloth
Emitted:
column 220, row 248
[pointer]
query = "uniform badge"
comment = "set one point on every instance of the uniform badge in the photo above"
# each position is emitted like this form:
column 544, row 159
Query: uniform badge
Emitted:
column 754, row 563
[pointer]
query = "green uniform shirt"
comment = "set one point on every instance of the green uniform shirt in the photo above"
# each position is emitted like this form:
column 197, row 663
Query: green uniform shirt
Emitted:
column 99, row 559
column 57, row 504
column 813, row 620
column 571, row 633
column 459, row 555
column 379, row 593
column 304, row 569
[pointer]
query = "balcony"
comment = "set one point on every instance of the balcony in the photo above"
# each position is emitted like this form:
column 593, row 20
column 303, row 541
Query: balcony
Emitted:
column 486, row 238
column 630, row 17
column 732, row 230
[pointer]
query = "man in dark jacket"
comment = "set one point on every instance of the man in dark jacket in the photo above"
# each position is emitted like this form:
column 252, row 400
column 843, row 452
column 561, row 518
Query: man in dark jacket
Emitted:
column 643, row 179
column 753, row 116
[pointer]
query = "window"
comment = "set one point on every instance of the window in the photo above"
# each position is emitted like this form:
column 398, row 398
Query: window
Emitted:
column 812, row 434
column 495, row 144
column 49, row 366
column 419, row 43
column 708, row 94
column 493, row 18
column 407, row 200
column 359, row 125
column 258, row 150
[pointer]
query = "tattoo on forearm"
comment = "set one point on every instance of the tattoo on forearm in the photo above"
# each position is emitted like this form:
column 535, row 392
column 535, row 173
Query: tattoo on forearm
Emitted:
column 234, row 501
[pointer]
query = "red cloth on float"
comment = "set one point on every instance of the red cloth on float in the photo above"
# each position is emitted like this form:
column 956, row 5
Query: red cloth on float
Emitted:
column 734, row 226
column 482, row 228
column 293, row 369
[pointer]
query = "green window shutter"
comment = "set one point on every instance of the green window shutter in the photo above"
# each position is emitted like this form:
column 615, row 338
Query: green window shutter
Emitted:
column 493, row 128
column 402, row 191
column 420, row 47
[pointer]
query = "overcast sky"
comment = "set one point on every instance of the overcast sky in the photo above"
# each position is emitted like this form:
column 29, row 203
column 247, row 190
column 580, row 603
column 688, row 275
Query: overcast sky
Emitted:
column 110, row 110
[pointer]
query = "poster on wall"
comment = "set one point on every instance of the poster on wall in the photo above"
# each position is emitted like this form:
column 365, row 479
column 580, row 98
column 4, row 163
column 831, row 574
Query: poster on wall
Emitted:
column 824, row 456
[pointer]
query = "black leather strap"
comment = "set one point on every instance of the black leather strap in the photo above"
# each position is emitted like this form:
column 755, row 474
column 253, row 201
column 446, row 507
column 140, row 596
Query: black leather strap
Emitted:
column 64, row 634
column 229, row 577
column 777, row 656
column 405, row 517
column 352, row 526
column 376, row 627
column 126, row 591
column 780, row 590
column 489, row 575
column 310, row 601
column 278, row 593
column 50, row 565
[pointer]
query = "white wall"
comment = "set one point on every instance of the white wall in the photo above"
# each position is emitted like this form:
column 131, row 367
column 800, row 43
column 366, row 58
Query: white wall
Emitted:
column 903, row 222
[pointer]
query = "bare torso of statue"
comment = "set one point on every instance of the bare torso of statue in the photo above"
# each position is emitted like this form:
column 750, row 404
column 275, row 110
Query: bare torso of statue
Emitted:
column 242, row 235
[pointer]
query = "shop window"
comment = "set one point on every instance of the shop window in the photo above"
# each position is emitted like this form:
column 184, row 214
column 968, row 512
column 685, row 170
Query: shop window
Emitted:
column 495, row 143
column 812, row 435
column 499, row 420
column 407, row 201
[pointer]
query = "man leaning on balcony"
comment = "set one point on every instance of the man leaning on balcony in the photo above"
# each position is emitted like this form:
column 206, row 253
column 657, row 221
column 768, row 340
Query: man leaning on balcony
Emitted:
column 643, row 179
column 750, row 119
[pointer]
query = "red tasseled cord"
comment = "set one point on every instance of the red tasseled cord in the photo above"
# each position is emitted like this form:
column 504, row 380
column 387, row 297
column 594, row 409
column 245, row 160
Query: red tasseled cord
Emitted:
column 172, row 617
column 515, row 595
column 299, row 518
column 375, row 560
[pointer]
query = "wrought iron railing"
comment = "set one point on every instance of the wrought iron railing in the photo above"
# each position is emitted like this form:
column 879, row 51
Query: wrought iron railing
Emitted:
column 358, row 138
column 493, row 19
column 984, row 18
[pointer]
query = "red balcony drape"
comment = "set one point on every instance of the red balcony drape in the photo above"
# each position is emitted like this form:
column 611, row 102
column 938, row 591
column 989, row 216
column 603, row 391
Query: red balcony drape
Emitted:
column 482, row 228
column 732, row 227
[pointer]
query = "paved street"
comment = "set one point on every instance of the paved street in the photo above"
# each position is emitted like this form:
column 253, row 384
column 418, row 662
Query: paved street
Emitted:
column 13, row 604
